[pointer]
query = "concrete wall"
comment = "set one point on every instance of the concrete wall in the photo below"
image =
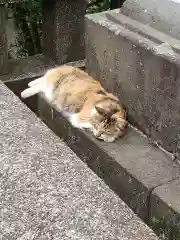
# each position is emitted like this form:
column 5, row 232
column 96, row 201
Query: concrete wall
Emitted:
column 147, row 83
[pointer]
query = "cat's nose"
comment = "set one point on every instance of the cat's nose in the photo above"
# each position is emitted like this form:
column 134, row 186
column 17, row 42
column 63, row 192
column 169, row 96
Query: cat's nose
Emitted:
column 123, row 124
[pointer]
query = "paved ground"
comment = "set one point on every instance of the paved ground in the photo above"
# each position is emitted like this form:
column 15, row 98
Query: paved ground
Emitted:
column 47, row 192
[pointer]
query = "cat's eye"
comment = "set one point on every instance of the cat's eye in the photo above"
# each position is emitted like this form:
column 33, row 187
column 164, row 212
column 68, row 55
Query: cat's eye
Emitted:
column 113, row 119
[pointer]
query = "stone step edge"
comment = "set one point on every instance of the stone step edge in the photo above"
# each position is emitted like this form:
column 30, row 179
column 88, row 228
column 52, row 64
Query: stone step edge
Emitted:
column 128, row 30
column 32, row 66
column 66, row 171
column 100, row 160
column 142, row 29
column 100, row 163
column 164, row 214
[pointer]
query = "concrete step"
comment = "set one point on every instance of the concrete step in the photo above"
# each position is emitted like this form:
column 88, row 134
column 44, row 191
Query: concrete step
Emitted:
column 134, row 168
column 131, row 166
column 47, row 192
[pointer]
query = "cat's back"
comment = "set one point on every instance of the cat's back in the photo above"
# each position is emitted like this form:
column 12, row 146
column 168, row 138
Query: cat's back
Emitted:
column 67, row 72
column 68, row 77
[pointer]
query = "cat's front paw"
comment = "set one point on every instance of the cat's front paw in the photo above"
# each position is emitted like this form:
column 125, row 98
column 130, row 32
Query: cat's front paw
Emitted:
column 108, row 139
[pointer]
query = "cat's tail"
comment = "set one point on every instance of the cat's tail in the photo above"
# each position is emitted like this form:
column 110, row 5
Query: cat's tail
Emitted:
column 32, row 91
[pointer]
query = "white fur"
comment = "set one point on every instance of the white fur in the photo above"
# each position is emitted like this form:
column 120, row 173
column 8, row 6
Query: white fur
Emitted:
column 93, row 111
column 107, row 138
column 39, row 86
column 77, row 124
column 36, row 81
column 31, row 91
column 48, row 92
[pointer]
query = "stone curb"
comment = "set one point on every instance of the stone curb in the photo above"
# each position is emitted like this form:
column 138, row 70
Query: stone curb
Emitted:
column 47, row 192
column 130, row 166
column 164, row 215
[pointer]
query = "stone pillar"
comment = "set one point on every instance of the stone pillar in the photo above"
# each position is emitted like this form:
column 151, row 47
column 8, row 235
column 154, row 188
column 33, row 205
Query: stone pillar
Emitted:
column 3, row 40
column 63, row 30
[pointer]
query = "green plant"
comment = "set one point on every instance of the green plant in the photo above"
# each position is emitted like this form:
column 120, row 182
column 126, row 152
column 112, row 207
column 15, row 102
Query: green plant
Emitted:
column 164, row 230
column 28, row 23
column 98, row 6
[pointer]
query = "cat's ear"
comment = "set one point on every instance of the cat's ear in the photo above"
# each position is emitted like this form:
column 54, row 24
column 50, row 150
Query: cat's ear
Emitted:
column 100, row 110
column 105, row 112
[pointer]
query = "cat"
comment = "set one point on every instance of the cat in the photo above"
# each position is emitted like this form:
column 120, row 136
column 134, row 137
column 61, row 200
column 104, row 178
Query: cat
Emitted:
column 82, row 100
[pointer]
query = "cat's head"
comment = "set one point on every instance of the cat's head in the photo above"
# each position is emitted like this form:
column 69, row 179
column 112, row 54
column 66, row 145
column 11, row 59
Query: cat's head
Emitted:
column 108, row 119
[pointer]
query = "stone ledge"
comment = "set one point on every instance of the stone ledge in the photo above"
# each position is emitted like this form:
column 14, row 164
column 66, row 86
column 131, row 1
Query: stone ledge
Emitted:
column 146, row 31
column 31, row 67
column 46, row 190
column 165, row 209
column 141, row 72
column 163, row 17
column 130, row 166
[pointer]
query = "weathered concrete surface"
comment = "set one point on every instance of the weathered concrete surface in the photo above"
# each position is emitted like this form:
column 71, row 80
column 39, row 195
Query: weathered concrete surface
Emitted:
column 163, row 17
column 63, row 30
column 165, row 209
column 144, row 74
column 130, row 166
column 46, row 190
column 31, row 67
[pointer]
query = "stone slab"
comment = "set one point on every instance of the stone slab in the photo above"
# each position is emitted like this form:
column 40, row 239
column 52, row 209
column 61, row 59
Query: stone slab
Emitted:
column 131, row 176
column 144, row 30
column 163, row 17
column 31, row 67
column 143, row 73
column 165, row 209
column 47, row 192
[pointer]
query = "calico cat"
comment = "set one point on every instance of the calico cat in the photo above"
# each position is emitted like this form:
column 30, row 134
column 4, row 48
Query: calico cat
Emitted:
column 82, row 100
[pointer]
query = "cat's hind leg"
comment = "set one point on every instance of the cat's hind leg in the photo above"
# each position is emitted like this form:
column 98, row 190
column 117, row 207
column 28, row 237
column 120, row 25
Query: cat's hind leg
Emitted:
column 36, row 81
column 32, row 91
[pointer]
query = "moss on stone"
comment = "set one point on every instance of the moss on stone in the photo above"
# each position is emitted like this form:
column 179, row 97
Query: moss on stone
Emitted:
column 165, row 230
